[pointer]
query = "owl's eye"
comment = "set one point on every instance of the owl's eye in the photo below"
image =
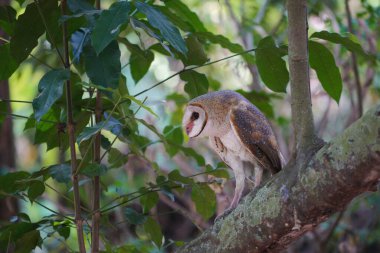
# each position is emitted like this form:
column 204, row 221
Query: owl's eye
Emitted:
column 194, row 116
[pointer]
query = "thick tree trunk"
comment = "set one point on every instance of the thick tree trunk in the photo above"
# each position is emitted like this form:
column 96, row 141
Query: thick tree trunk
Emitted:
column 295, row 201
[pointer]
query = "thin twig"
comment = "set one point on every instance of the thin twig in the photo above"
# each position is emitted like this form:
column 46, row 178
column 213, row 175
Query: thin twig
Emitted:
column 26, row 117
column 15, row 101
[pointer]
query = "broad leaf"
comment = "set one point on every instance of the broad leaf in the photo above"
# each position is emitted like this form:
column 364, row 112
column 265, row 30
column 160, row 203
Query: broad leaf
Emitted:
column 61, row 172
column 348, row 42
column 116, row 159
column 11, row 182
column 36, row 189
column 8, row 64
column 94, row 169
column 7, row 19
column 78, row 40
column 27, row 242
column 271, row 66
column 196, row 83
column 174, row 137
column 322, row 61
column 148, row 201
column 225, row 43
column 175, row 175
column 51, row 89
column 78, row 6
column 103, row 69
column 167, row 29
column 29, row 27
column 139, row 60
column 196, row 54
column 204, row 199
column 134, row 217
column 107, row 26
column 153, row 229
column 184, row 12
column 111, row 124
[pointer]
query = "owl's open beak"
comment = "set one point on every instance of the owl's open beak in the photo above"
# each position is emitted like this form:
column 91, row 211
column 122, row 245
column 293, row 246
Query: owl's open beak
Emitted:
column 189, row 127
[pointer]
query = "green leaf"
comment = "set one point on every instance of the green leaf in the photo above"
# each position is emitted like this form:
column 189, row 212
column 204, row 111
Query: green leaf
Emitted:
column 78, row 40
column 140, row 103
column 191, row 152
column 8, row 64
column 225, row 43
column 139, row 60
column 175, row 175
column 167, row 29
column 204, row 199
column 11, row 182
column 107, row 26
column 348, row 42
column 134, row 217
column 103, row 69
column 60, row 172
column 116, row 159
column 51, row 89
column 184, row 12
column 196, row 54
column 7, row 19
column 196, row 83
column 94, row 169
column 64, row 231
column 148, row 201
column 174, row 137
column 36, row 189
column 29, row 27
column 271, row 66
column 153, row 229
column 221, row 173
column 111, row 124
column 28, row 241
column 15, row 233
column 322, row 61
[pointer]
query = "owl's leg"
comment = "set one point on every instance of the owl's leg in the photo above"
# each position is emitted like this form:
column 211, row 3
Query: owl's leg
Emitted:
column 239, row 177
column 237, row 167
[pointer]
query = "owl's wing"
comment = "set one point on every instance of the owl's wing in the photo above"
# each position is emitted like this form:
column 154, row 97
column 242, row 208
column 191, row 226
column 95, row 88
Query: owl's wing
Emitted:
column 254, row 131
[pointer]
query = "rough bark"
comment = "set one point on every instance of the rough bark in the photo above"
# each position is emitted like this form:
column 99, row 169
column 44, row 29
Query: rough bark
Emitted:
column 295, row 201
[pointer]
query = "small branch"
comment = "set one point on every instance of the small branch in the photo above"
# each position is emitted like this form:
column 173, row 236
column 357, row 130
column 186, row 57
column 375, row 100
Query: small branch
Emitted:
column 15, row 101
column 302, row 115
column 71, row 132
column 355, row 65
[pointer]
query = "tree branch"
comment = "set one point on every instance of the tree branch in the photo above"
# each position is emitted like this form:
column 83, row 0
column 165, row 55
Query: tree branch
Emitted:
column 302, row 115
column 295, row 201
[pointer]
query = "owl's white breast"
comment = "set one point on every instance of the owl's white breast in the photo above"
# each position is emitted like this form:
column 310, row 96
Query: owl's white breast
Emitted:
column 234, row 146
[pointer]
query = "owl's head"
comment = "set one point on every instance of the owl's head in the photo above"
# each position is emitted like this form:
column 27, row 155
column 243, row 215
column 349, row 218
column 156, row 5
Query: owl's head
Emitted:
column 194, row 120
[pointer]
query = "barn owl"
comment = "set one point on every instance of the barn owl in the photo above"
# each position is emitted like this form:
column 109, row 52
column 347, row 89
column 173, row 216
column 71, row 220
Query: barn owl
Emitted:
column 238, row 132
